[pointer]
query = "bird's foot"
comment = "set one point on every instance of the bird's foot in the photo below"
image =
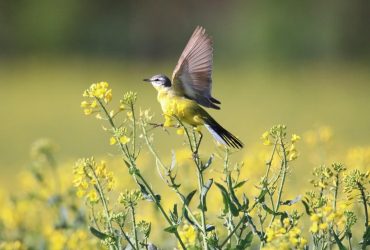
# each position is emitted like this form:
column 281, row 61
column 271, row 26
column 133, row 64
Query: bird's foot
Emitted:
column 156, row 125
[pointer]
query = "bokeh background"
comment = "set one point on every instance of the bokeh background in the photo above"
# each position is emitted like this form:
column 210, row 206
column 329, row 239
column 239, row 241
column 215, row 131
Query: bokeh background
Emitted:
column 301, row 63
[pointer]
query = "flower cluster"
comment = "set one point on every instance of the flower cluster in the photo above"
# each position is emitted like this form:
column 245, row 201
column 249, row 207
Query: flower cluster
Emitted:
column 355, row 180
column 277, row 134
column 325, row 217
column 130, row 198
column 98, row 92
column 119, row 134
column 189, row 236
column 284, row 235
column 90, row 177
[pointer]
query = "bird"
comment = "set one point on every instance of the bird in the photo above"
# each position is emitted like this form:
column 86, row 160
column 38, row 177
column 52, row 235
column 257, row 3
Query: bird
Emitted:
column 184, row 97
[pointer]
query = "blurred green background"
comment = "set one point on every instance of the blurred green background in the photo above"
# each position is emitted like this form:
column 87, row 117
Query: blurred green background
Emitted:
column 300, row 63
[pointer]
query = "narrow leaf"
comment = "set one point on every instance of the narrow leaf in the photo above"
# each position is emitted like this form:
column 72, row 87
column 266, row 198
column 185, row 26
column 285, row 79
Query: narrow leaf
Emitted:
column 246, row 242
column 209, row 162
column 306, row 207
column 227, row 201
column 203, row 194
column 338, row 241
column 238, row 185
column 98, row 234
column 171, row 229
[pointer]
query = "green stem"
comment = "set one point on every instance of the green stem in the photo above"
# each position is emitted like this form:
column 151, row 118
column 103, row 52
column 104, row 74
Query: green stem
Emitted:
column 181, row 196
column 133, row 130
column 98, row 188
column 132, row 164
column 284, row 166
column 336, row 192
column 126, row 237
column 134, row 226
column 232, row 232
column 194, row 150
column 363, row 197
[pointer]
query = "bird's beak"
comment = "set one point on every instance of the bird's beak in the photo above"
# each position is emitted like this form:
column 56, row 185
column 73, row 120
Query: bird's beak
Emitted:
column 146, row 80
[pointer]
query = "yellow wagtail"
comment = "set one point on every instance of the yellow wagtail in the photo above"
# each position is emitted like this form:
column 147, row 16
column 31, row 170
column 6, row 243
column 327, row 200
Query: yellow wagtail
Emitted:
column 191, row 87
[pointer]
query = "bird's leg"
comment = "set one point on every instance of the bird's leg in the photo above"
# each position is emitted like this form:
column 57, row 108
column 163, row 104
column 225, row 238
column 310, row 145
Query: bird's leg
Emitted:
column 198, row 143
column 156, row 125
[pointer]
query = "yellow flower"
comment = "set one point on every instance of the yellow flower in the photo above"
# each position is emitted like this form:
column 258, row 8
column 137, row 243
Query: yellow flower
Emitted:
column 112, row 141
column 180, row 131
column 94, row 104
column 98, row 116
column 315, row 218
column 93, row 196
column 323, row 226
column 87, row 111
column 124, row 139
column 265, row 138
column 108, row 96
column 84, row 104
column 292, row 156
column 286, row 222
column 295, row 138
column 188, row 235
column 314, row 227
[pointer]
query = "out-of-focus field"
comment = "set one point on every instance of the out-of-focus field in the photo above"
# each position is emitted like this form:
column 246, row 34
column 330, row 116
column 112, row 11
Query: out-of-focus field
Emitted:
column 40, row 98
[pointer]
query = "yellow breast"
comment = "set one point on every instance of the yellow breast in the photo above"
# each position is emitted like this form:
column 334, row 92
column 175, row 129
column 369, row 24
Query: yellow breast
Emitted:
column 186, row 110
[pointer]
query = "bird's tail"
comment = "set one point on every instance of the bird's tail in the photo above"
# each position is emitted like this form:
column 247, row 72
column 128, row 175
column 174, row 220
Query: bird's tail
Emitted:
column 222, row 135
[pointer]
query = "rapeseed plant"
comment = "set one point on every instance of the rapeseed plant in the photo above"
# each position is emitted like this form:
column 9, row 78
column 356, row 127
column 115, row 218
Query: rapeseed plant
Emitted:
column 204, row 201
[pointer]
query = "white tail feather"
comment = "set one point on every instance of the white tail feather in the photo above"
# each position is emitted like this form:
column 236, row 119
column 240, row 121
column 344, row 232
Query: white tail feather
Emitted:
column 215, row 135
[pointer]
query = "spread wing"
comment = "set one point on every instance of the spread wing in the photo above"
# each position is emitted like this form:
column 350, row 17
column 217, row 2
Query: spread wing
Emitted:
column 192, row 76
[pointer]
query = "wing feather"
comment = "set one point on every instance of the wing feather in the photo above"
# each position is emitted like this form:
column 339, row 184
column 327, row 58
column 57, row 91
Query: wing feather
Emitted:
column 192, row 76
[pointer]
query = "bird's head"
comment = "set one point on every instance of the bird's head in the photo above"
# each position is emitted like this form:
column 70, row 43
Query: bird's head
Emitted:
column 160, row 82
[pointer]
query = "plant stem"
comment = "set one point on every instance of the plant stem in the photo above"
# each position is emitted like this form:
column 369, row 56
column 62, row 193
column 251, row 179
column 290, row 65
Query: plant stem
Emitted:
column 181, row 196
column 133, row 130
column 103, row 200
column 134, row 226
column 232, row 232
column 133, row 165
column 194, row 150
column 363, row 197
column 126, row 237
column 284, row 166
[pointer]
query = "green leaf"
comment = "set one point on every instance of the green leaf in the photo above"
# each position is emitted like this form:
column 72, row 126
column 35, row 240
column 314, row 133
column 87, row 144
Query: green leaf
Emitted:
column 146, row 194
column 98, row 234
column 203, row 194
column 187, row 202
column 246, row 242
column 174, row 215
column 232, row 193
column 238, row 185
column 261, row 196
column 245, row 202
column 267, row 209
column 291, row 202
column 171, row 229
column 306, row 207
column 189, row 197
column 209, row 162
column 228, row 204
column 366, row 237
column 338, row 241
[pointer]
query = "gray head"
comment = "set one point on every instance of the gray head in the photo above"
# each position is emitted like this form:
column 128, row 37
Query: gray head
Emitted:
column 159, row 81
